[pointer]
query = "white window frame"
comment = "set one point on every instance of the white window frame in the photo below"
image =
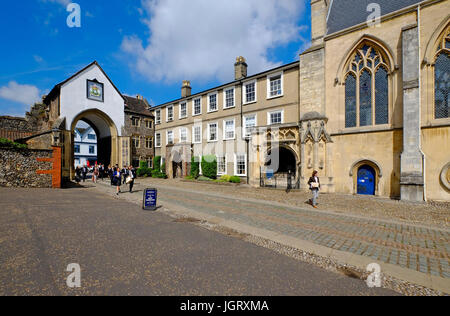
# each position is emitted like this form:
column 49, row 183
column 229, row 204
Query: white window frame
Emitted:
column 244, row 92
column 235, row 165
column 209, row 132
column 167, row 114
column 269, row 121
column 269, row 78
column 167, row 138
column 209, row 102
column 158, row 116
column 158, row 145
column 179, row 110
column 193, row 134
column 226, row 163
column 193, row 106
column 245, row 123
column 187, row 137
column 225, row 98
column 225, row 129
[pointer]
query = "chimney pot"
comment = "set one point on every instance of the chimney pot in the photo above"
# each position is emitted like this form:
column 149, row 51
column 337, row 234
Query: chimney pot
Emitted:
column 186, row 89
column 240, row 68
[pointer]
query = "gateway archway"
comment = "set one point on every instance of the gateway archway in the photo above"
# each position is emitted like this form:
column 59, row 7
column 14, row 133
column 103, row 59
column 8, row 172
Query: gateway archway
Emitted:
column 107, row 137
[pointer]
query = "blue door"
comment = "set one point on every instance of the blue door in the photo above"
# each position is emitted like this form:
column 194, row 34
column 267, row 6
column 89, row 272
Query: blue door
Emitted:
column 366, row 180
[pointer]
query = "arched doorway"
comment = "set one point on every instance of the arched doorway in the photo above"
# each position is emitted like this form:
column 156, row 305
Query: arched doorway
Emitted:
column 107, row 137
column 366, row 180
column 281, row 168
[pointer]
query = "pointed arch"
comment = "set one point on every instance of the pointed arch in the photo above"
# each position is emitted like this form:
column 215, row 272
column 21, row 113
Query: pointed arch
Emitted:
column 435, row 40
column 384, row 49
column 367, row 82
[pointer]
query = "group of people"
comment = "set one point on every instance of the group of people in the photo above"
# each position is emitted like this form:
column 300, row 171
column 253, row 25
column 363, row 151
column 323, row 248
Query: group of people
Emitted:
column 117, row 176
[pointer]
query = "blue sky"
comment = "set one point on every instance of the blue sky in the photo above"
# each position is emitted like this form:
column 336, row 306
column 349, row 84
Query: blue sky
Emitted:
column 146, row 47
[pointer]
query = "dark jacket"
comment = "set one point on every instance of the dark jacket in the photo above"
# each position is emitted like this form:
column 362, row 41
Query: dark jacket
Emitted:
column 312, row 180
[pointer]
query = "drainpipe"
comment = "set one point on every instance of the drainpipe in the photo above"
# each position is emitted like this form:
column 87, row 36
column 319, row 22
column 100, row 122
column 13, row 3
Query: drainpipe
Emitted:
column 420, row 108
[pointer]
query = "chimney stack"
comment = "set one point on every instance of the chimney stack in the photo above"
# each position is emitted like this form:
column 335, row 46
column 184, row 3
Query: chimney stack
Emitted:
column 240, row 68
column 186, row 89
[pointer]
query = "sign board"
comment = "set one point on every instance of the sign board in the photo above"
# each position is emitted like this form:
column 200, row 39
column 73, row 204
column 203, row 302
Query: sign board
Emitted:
column 150, row 198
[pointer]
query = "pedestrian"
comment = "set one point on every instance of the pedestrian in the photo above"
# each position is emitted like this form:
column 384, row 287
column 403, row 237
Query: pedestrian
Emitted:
column 95, row 175
column 314, row 186
column 84, row 172
column 78, row 174
column 131, row 177
column 117, row 180
column 110, row 174
column 102, row 171
column 124, row 174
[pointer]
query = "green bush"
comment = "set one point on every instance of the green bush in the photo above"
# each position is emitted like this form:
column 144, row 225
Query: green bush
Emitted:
column 209, row 166
column 157, row 163
column 195, row 167
column 225, row 178
column 235, row 179
column 144, row 172
column 163, row 168
column 203, row 178
column 6, row 143
column 143, row 165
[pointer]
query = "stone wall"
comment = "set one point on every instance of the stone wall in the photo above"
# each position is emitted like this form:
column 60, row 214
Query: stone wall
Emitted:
column 141, row 153
column 18, row 168
column 13, row 128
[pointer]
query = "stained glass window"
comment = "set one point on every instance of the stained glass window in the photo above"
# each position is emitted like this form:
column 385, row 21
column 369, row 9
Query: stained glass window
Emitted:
column 365, row 99
column 368, row 74
column 381, row 97
column 442, row 79
column 350, row 101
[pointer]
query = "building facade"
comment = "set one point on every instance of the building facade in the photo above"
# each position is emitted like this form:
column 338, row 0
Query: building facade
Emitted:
column 85, row 147
column 140, row 127
column 219, row 121
column 367, row 106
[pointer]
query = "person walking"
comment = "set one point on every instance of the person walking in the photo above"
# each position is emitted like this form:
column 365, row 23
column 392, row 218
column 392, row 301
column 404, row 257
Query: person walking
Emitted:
column 84, row 172
column 95, row 175
column 78, row 174
column 131, row 177
column 110, row 174
column 117, row 180
column 314, row 186
column 124, row 174
column 101, row 171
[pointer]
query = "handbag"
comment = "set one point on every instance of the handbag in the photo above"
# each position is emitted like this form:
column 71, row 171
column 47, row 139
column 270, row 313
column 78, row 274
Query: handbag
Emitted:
column 129, row 180
column 315, row 185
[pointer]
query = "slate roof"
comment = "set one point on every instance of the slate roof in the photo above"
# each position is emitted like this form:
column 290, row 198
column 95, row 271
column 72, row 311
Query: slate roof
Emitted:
column 137, row 106
column 347, row 13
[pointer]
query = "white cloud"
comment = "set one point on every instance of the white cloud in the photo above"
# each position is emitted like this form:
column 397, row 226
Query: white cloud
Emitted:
column 200, row 39
column 24, row 94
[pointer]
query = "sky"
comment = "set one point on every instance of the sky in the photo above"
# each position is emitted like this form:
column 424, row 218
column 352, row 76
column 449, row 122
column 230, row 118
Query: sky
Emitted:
column 146, row 47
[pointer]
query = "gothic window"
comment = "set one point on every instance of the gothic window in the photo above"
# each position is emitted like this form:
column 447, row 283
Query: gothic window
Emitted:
column 367, row 88
column 442, row 78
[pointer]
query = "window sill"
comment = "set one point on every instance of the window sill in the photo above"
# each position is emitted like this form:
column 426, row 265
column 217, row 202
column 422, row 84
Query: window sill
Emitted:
column 194, row 115
column 248, row 103
column 275, row 97
column 213, row 111
column 230, row 107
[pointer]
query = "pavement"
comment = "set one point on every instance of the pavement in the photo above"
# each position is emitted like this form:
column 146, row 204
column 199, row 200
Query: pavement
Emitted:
column 415, row 253
column 123, row 250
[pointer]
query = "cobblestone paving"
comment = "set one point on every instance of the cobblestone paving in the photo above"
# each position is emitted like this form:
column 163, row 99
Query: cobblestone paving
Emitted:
column 418, row 248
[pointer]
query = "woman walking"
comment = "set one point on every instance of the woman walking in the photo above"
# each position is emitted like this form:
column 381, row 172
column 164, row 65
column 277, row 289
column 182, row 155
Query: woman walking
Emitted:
column 96, row 173
column 314, row 186
column 117, row 180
